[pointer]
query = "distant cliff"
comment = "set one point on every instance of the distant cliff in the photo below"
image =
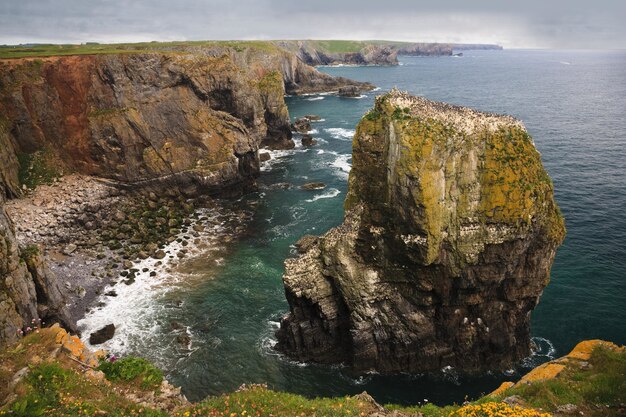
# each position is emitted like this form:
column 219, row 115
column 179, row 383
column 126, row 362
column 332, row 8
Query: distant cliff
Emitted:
column 336, row 52
column 449, row 236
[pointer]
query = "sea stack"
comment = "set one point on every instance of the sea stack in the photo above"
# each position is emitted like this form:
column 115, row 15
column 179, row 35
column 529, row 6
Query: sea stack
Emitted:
column 449, row 235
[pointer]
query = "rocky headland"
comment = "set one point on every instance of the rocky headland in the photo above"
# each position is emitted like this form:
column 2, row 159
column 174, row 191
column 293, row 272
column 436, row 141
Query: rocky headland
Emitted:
column 449, row 235
column 333, row 52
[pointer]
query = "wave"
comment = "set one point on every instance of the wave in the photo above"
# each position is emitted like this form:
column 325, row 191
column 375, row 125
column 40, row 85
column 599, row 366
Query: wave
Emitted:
column 543, row 350
column 280, row 155
column 314, row 98
column 340, row 133
column 331, row 193
column 142, row 311
column 341, row 165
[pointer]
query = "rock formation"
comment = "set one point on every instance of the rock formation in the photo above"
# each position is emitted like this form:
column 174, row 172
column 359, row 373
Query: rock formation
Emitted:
column 29, row 291
column 449, row 235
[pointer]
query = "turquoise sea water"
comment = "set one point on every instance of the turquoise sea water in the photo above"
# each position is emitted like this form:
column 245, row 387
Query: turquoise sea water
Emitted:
column 573, row 104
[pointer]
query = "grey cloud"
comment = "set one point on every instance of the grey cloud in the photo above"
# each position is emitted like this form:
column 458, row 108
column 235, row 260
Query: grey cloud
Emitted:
column 531, row 23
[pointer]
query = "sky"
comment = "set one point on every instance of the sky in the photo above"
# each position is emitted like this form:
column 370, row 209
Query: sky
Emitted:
column 564, row 24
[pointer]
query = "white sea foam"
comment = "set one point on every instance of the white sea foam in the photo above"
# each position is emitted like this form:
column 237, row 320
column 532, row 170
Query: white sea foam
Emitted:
column 280, row 155
column 342, row 165
column 543, row 350
column 331, row 193
column 314, row 98
column 140, row 309
column 340, row 133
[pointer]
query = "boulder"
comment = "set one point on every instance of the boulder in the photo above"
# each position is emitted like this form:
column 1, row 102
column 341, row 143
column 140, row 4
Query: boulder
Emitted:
column 102, row 335
column 307, row 140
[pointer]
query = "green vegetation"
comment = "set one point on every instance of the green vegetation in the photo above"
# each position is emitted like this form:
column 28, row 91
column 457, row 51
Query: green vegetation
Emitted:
column 272, row 82
column 343, row 46
column 44, row 50
column 598, row 389
column 257, row 400
column 29, row 251
column 132, row 369
column 53, row 390
column 90, row 48
column 40, row 167
column 57, row 386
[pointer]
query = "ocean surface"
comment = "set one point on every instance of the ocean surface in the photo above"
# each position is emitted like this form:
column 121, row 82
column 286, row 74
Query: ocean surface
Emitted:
column 209, row 320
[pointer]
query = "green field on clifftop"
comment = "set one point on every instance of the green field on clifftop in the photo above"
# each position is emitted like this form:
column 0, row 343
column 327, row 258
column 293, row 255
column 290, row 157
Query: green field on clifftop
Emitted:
column 44, row 50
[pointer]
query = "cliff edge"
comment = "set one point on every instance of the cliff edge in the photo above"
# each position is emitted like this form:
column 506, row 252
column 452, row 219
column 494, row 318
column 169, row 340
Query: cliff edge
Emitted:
column 449, row 235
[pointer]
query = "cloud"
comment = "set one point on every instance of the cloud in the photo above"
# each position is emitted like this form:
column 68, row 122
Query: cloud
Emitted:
column 531, row 23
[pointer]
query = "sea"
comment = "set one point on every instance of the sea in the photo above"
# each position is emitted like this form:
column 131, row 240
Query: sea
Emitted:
column 208, row 319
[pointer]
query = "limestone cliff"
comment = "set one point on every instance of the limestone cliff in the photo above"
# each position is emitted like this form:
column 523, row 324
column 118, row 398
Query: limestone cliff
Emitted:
column 450, row 232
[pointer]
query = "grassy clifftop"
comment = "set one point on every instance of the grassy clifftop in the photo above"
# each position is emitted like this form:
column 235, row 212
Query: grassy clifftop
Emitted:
column 324, row 46
column 51, row 373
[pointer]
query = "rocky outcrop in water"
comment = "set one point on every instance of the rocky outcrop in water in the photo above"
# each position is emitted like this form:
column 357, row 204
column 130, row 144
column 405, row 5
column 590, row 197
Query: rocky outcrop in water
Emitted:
column 449, row 235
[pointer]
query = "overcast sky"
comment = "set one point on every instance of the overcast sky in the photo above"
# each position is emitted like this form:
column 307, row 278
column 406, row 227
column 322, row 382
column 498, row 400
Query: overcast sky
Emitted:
column 513, row 24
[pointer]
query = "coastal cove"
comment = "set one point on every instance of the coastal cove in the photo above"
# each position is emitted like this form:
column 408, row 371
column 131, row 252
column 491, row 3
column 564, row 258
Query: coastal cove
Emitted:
column 228, row 297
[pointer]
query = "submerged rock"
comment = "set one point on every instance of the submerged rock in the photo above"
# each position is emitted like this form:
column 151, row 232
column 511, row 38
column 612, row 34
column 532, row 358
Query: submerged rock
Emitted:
column 313, row 186
column 450, row 232
column 307, row 140
column 302, row 125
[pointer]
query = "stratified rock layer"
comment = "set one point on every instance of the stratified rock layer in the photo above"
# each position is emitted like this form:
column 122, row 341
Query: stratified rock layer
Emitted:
column 450, row 232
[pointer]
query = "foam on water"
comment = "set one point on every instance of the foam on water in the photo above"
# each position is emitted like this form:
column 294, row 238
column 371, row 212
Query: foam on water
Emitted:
column 333, row 192
column 139, row 309
column 279, row 156
column 341, row 165
column 340, row 133
column 314, row 98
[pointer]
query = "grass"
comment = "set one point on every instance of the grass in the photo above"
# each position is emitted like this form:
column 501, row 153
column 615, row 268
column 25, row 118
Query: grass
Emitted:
column 257, row 400
column 132, row 369
column 46, row 50
column 599, row 390
column 59, row 388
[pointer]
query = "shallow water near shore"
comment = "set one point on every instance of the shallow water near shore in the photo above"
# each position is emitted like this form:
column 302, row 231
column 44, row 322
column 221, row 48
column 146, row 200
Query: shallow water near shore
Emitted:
column 229, row 300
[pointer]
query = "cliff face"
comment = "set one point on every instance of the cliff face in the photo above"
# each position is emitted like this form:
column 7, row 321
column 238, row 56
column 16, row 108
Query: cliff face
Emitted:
column 195, row 119
column 449, row 236
column 139, row 117
column 28, row 289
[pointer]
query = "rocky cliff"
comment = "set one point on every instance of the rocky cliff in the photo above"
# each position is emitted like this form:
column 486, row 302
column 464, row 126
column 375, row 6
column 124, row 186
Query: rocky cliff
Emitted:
column 449, row 236
column 29, row 291
column 195, row 118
